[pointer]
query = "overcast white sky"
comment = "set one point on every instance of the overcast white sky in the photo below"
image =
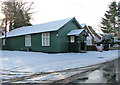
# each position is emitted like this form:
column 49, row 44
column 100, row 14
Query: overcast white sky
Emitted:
column 85, row 11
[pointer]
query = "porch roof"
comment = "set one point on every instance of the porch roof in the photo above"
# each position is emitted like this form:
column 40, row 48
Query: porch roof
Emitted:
column 75, row 32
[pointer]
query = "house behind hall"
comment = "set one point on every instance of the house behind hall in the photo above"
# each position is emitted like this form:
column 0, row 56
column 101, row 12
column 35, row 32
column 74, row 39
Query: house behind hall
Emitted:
column 65, row 35
column 92, row 38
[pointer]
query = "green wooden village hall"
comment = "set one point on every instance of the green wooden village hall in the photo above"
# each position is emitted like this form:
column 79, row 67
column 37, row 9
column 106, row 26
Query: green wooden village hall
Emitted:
column 65, row 35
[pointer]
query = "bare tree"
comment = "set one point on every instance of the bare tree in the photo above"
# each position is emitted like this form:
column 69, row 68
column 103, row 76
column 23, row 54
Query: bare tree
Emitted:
column 17, row 13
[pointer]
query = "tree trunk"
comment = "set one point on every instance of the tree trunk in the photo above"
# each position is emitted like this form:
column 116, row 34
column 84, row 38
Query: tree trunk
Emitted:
column 10, row 26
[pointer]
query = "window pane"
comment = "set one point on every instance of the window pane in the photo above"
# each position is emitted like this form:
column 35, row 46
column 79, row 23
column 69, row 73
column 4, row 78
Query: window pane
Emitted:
column 45, row 39
column 3, row 41
column 72, row 39
column 28, row 40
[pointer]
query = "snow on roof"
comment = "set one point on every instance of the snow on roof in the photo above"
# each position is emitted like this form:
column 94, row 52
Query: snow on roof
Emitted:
column 75, row 32
column 50, row 26
column 100, row 35
column 83, row 25
column 89, row 36
column 95, row 37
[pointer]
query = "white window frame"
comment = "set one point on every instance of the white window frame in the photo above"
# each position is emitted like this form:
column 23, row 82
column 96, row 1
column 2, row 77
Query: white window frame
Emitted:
column 27, row 40
column 3, row 42
column 45, row 39
column 72, row 39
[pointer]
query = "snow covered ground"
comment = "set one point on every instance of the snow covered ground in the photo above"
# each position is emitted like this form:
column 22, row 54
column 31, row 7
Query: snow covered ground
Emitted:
column 30, row 65
column 43, row 62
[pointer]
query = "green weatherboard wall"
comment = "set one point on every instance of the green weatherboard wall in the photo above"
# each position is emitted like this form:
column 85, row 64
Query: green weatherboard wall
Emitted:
column 18, row 43
column 58, row 40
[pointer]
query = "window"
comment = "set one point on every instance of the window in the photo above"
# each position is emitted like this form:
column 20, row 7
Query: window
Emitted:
column 28, row 40
column 3, row 41
column 89, row 41
column 72, row 39
column 45, row 39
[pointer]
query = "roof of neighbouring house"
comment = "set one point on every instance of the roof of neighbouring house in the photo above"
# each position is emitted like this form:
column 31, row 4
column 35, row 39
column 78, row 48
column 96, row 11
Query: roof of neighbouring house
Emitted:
column 101, row 35
column 75, row 32
column 45, row 27
column 83, row 25
column 95, row 37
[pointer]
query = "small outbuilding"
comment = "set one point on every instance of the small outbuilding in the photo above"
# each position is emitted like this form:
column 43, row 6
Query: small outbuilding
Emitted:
column 65, row 35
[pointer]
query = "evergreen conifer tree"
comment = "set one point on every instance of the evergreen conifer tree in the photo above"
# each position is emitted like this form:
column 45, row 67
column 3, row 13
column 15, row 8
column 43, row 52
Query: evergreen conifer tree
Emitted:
column 109, row 22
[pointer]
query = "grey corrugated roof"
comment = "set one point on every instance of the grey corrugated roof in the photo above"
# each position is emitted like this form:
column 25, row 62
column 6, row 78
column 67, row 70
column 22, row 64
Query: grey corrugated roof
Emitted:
column 50, row 26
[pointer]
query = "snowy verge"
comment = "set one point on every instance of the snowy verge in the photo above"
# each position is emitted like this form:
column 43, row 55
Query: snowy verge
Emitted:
column 43, row 62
